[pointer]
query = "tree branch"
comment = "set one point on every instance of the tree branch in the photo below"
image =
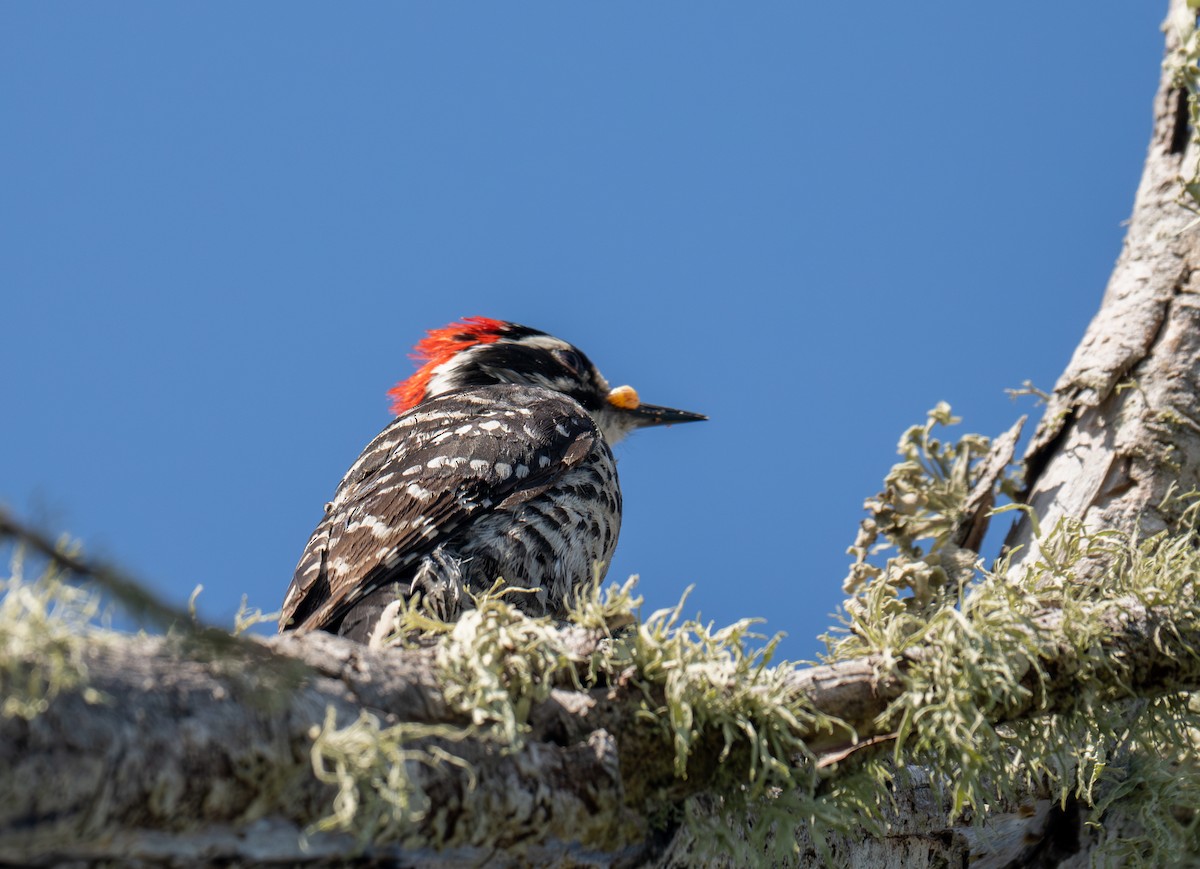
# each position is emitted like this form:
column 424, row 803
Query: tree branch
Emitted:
column 216, row 760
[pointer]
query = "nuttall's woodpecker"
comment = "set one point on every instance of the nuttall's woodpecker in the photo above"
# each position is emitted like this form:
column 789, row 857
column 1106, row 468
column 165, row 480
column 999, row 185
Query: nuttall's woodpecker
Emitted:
column 497, row 465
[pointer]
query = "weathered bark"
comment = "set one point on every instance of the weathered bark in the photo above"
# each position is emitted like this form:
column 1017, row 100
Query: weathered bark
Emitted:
column 1123, row 423
column 183, row 759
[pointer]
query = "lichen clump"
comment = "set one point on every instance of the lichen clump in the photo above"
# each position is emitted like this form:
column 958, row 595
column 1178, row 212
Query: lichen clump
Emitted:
column 45, row 624
column 970, row 645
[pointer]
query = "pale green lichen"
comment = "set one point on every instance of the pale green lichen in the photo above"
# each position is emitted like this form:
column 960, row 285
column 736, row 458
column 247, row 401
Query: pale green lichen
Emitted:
column 726, row 713
column 708, row 695
column 493, row 664
column 43, row 623
column 496, row 662
column 378, row 792
column 922, row 506
column 973, row 649
column 248, row 616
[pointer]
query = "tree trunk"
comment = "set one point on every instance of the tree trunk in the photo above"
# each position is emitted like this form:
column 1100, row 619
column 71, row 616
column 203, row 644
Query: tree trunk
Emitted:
column 1123, row 424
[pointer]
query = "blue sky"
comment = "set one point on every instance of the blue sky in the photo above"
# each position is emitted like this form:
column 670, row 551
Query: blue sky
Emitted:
column 222, row 228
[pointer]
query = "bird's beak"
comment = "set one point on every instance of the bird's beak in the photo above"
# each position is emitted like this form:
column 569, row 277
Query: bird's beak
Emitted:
column 626, row 398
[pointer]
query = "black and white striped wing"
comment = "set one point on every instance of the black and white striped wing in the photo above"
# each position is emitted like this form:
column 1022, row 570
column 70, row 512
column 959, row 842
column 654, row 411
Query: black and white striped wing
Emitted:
column 426, row 477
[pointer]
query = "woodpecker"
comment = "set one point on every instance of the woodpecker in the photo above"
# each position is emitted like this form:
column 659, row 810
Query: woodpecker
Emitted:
column 498, row 465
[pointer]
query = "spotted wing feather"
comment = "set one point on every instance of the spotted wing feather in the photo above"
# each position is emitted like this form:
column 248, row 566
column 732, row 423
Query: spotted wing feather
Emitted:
column 434, row 470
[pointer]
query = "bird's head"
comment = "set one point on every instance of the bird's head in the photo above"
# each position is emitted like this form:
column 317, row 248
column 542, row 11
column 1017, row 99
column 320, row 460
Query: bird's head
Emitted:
column 479, row 352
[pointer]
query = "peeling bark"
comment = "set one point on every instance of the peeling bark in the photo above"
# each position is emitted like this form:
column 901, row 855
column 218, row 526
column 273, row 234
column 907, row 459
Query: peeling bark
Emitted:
column 1123, row 425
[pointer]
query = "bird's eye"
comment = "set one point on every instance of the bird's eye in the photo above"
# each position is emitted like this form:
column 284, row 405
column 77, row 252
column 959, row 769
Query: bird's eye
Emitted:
column 570, row 359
